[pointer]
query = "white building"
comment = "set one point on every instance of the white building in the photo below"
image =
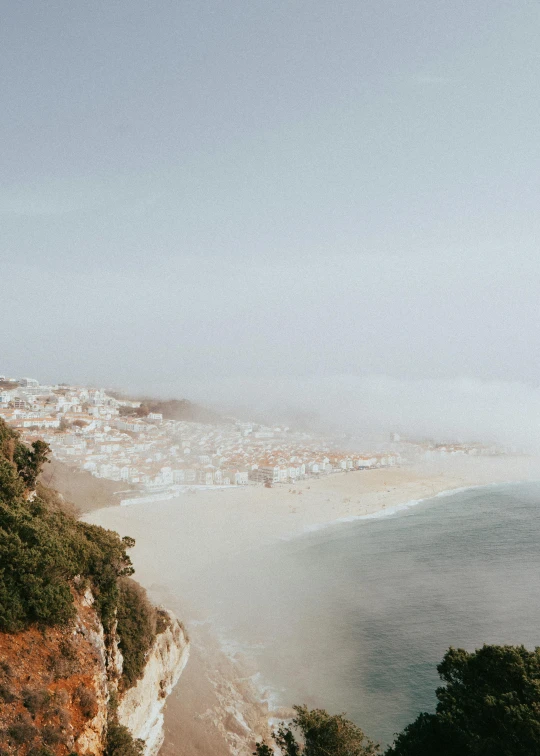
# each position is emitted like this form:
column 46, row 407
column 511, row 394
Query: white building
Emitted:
column 241, row 478
column 205, row 477
column 39, row 422
column 29, row 382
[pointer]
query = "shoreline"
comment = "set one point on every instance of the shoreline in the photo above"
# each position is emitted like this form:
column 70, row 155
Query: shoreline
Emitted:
column 220, row 705
column 383, row 512
column 268, row 696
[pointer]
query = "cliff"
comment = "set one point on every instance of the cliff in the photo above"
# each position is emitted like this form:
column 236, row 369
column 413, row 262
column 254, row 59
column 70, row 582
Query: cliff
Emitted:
column 141, row 707
column 86, row 661
column 57, row 686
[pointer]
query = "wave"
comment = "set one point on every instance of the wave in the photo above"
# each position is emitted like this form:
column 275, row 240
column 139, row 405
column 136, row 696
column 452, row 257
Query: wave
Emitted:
column 397, row 508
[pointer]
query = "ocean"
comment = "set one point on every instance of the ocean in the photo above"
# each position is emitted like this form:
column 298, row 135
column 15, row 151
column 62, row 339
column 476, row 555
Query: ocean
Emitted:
column 355, row 617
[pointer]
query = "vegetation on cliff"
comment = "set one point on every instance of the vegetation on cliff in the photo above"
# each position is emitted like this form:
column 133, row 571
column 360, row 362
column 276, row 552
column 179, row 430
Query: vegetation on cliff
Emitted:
column 172, row 409
column 48, row 560
column 119, row 739
column 43, row 548
column 137, row 624
column 316, row 733
column 48, row 688
column 488, row 706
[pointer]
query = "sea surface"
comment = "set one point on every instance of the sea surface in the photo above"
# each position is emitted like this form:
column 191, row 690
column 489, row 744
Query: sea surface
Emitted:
column 355, row 617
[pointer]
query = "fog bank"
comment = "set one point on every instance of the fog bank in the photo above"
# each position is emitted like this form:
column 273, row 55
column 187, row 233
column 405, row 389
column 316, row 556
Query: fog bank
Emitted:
column 374, row 406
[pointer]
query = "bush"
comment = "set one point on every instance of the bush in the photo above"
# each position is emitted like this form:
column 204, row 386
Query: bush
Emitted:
column 35, row 700
column 136, row 628
column 7, row 694
column 67, row 649
column 45, row 555
column 87, row 701
column 54, row 500
column 489, row 705
column 62, row 668
column 51, row 735
column 120, row 742
column 22, row 732
column 321, row 734
column 43, row 547
column 163, row 621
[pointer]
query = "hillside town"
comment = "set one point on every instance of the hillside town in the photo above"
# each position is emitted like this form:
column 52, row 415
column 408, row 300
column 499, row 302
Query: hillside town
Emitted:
column 90, row 429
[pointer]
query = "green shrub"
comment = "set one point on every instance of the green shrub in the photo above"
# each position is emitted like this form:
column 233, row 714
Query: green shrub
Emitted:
column 43, row 547
column 45, row 554
column 489, row 705
column 163, row 621
column 321, row 734
column 136, row 628
column 30, row 460
column 120, row 742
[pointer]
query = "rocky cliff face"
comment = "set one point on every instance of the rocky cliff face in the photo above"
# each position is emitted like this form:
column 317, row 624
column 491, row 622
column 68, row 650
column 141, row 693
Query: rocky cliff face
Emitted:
column 92, row 737
column 62, row 673
column 56, row 685
column 141, row 707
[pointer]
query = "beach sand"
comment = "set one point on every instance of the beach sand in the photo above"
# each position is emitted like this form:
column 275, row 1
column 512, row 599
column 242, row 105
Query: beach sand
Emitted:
column 217, row 707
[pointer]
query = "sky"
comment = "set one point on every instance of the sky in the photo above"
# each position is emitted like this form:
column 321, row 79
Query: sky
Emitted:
column 277, row 203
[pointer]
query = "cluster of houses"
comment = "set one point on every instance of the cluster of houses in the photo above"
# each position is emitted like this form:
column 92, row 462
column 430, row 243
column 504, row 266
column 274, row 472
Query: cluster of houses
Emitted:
column 91, row 430
column 87, row 429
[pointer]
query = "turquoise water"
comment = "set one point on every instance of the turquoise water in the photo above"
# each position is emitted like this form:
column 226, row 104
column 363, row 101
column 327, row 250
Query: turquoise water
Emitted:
column 356, row 617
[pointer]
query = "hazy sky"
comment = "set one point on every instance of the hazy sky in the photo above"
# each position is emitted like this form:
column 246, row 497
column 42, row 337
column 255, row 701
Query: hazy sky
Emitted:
column 206, row 197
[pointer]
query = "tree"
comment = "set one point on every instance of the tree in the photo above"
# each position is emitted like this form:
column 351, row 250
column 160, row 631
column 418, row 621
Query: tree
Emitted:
column 136, row 618
column 320, row 734
column 489, row 706
column 30, row 461
column 263, row 749
column 43, row 548
column 120, row 742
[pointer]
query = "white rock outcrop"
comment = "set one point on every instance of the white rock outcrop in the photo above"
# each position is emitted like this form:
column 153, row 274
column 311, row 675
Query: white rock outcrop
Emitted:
column 141, row 707
column 88, row 626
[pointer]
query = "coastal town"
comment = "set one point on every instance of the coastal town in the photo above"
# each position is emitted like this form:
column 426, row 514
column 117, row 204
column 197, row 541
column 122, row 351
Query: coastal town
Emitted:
column 114, row 438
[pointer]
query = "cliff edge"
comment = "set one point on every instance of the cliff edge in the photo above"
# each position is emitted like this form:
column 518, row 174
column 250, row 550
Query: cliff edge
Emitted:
column 86, row 661
column 59, row 687
column 141, row 707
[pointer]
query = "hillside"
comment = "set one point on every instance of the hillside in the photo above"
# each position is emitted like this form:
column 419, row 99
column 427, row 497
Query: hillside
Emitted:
column 172, row 409
column 82, row 488
column 81, row 646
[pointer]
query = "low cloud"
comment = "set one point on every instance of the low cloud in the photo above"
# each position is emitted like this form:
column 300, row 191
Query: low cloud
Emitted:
column 431, row 79
column 371, row 407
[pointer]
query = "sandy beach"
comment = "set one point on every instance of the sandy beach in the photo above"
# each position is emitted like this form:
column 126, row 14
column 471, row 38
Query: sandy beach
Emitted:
column 217, row 707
